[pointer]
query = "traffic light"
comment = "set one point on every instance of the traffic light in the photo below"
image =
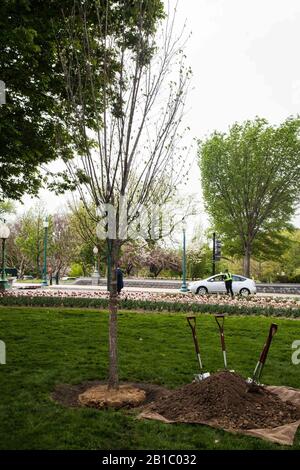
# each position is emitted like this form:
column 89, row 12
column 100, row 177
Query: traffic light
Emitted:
column 218, row 250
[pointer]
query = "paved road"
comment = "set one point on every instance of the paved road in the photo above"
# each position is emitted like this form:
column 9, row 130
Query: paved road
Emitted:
column 73, row 287
column 293, row 289
column 133, row 289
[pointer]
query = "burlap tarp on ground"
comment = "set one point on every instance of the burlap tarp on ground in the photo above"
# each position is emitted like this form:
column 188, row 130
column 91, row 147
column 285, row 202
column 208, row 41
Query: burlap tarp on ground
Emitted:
column 281, row 435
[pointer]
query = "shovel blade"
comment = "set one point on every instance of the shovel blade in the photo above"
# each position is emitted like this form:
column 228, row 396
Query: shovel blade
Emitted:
column 253, row 386
column 201, row 377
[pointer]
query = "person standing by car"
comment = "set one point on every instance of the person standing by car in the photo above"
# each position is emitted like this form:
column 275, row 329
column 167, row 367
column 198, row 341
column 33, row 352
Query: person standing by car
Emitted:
column 120, row 281
column 228, row 283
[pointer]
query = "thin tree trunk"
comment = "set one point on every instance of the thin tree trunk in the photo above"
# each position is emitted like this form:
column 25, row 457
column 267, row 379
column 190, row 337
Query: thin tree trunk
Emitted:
column 39, row 271
column 156, row 273
column 247, row 261
column 113, row 380
column 21, row 269
column 109, row 264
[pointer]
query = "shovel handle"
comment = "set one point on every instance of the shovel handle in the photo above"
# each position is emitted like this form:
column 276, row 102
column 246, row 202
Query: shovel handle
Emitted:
column 192, row 322
column 220, row 325
column 218, row 318
column 264, row 353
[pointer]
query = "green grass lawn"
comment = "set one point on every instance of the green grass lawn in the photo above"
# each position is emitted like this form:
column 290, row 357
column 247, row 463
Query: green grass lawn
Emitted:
column 46, row 347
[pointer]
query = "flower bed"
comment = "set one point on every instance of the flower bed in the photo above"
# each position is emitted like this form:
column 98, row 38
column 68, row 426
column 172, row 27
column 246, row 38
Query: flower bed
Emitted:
column 171, row 302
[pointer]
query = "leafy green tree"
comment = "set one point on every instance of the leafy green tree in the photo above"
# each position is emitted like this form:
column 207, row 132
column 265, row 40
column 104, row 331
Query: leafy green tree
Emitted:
column 6, row 208
column 76, row 270
column 30, row 237
column 251, row 183
column 15, row 257
column 290, row 259
column 63, row 245
column 30, row 121
column 26, row 242
column 36, row 121
column 83, row 228
column 269, row 245
column 199, row 262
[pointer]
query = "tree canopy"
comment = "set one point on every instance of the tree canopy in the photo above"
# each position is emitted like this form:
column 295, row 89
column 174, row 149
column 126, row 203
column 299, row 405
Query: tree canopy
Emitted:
column 29, row 121
column 35, row 121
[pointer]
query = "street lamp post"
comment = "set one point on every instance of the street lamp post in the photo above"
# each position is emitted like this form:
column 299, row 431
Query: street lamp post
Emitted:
column 4, row 234
column 214, row 255
column 184, row 286
column 56, row 237
column 45, row 225
column 95, row 276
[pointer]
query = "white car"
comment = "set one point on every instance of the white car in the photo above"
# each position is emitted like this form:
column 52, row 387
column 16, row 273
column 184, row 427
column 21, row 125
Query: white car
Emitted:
column 215, row 285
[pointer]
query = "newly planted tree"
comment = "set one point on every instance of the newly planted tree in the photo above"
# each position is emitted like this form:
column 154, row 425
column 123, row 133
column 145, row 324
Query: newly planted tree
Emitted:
column 130, row 152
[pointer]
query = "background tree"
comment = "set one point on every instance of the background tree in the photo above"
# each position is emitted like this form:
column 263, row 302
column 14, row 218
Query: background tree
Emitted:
column 133, row 256
column 135, row 151
column 251, row 181
column 15, row 256
column 84, row 229
column 6, row 208
column 26, row 242
column 199, row 262
column 63, row 245
column 31, row 130
column 159, row 259
column 30, row 239
column 291, row 258
column 35, row 121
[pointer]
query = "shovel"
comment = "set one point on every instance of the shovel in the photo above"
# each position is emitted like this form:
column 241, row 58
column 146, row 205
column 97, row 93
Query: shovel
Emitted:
column 255, row 380
column 203, row 375
column 220, row 322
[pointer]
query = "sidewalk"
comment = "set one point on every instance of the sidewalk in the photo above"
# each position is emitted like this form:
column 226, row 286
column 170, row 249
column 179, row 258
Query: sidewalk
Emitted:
column 71, row 287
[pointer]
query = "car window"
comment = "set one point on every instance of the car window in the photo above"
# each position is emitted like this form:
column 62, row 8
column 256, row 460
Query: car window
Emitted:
column 216, row 279
column 238, row 278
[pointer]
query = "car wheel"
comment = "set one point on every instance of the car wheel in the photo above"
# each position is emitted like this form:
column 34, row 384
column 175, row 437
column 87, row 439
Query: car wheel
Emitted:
column 244, row 292
column 202, row 290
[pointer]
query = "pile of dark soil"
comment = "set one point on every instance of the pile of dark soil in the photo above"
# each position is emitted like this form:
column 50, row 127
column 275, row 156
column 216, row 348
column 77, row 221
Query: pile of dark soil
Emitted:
column 224, row 400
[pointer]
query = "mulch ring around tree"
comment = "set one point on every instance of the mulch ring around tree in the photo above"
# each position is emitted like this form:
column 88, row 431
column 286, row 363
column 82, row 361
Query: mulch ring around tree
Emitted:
column 94, row 394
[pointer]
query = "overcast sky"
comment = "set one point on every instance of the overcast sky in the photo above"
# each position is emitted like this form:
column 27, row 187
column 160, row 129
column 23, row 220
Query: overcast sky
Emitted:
column 245, row 60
